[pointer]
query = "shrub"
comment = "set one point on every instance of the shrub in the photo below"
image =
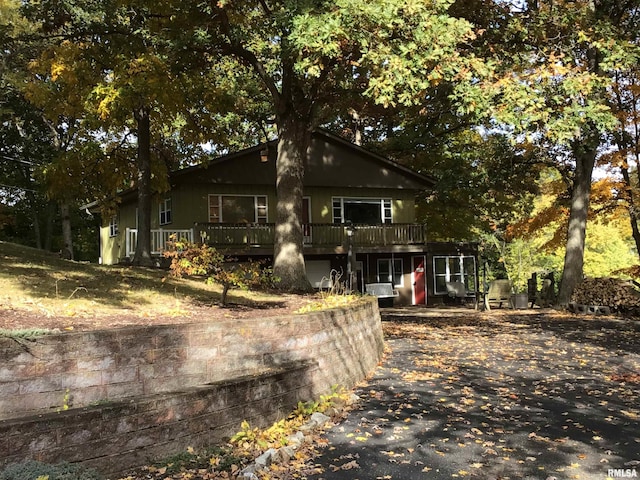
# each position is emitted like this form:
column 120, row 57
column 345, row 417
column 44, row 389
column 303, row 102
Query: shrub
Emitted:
column 199, row 259
column 26, row 334
column 217, row 458
column 33, row 470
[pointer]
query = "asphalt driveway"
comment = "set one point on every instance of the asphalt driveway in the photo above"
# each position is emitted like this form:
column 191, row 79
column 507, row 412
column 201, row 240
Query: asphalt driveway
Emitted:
column 494, row 395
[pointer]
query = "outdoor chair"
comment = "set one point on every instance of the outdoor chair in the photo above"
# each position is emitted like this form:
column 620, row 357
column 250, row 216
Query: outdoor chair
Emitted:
column 457, row 291
column 499, row 292
column 384, row 291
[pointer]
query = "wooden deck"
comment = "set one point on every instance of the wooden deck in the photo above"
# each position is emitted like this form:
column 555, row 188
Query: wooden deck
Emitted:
column 315, row 234
column 321, row 236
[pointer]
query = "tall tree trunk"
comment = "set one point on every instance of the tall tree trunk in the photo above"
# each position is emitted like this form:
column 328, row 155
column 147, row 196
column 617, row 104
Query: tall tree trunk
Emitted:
column 37, row 234
column 585, row 156
column 294, row 115
column 633, row 214
column 628, row 142
column 50, row 215
column 35, row 218
column 142, row 256
column 288, row 262
column 585, row 150
column 67, row 237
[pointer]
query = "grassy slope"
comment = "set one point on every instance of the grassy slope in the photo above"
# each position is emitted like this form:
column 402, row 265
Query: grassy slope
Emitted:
column 34, row 280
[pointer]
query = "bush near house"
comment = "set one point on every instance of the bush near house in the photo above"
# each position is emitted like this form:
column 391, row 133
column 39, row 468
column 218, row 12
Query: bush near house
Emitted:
column 33, row 470
column 189, row 258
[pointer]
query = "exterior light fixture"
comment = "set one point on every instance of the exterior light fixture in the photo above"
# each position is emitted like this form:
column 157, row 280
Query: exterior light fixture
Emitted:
column 352, row 279
column 264, row 154
column 350, row 229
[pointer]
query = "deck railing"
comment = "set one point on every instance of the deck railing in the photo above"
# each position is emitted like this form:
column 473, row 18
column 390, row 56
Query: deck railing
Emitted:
column 263, row 234
column 390, row 234
column 315, row 234
column 159, row 239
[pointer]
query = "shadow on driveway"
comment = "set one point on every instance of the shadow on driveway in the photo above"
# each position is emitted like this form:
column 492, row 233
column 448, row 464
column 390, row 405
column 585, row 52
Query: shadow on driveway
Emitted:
column 494, row 395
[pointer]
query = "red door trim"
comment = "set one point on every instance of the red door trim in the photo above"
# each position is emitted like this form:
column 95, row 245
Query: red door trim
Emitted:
column 419, row 279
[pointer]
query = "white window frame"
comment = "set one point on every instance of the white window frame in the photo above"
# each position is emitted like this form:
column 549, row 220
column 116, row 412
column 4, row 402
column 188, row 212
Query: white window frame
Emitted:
column 392, row 263
column 113, row 226
column 164, row 212
column 264, row 216
column 308, row 199
column 337, row 206
column 448, row 276
column 260, row 211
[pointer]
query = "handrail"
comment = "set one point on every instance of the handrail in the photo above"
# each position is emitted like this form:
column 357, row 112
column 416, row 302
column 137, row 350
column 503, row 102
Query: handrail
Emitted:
column 263, row 234
column 315, row 234
column 159, row 239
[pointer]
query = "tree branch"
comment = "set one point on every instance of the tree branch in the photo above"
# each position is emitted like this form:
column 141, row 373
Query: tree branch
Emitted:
column 265, row 7
column 235, row 47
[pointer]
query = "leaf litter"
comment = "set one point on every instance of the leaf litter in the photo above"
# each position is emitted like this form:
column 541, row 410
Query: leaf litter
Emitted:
column 502, row 395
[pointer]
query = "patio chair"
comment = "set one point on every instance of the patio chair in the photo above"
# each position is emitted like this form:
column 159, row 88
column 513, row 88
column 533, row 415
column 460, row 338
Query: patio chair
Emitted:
column 499, row 292
column 457, row 291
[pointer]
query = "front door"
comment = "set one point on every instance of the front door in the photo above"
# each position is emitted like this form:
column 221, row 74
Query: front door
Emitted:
column 419, row 280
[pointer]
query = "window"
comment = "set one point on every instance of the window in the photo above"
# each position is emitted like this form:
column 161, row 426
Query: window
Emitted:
column 238, row 209
column 113, row 226
column 362, row 210
column 165, row 211
column 390, row 270
column 454, row 269
column 261, row 209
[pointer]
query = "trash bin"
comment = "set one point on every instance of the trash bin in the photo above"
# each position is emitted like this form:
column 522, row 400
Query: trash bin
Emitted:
column 520, row 301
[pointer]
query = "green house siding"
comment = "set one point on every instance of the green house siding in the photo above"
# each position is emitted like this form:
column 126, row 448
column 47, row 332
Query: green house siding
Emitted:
column 111, row 252
column 335, row 169
column 191, row 202
column 190, row 205
column 404, row 207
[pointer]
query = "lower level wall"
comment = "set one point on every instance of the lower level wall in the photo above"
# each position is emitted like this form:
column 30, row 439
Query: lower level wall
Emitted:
column 118, row 437
column 253, row 370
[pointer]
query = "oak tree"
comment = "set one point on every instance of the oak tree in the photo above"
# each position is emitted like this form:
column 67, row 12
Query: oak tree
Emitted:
column 307, row 56
column 554, row 93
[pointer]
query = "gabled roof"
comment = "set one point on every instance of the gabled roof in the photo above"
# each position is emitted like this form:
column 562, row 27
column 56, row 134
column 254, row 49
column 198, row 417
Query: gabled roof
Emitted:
column 428, row 182
column 332, row 161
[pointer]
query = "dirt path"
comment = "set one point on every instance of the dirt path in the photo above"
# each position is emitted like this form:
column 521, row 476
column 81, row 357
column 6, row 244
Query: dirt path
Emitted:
column 495, row 396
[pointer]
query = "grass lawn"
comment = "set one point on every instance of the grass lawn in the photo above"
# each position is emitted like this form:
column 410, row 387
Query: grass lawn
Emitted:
column 39, row 290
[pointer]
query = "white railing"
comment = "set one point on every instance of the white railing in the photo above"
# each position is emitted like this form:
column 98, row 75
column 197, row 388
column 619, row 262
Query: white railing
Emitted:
column 159, row 239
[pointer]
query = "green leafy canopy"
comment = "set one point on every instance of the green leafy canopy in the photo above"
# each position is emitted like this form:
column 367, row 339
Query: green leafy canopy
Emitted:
column 395, row 50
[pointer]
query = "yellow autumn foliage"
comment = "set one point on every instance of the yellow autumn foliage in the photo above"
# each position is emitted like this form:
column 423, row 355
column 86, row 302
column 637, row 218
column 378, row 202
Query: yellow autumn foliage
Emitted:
column 106, row 96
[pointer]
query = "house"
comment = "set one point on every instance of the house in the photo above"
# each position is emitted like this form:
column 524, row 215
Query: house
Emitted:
column 357, row 205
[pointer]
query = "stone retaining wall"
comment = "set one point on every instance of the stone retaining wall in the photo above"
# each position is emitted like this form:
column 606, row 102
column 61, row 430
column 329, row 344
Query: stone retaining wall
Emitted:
column 122, row 397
